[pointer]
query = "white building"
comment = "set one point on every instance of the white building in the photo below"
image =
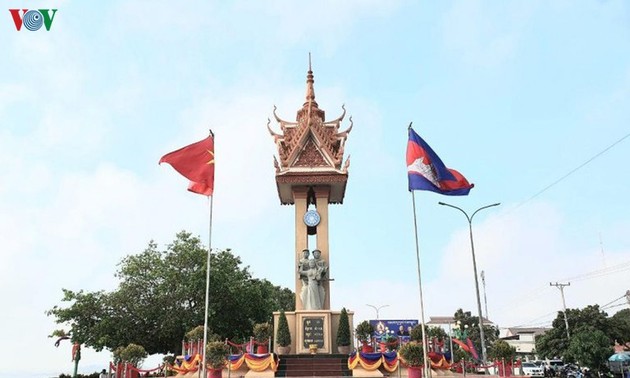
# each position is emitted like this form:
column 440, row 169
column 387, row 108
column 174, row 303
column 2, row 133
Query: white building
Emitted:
column 523, row 339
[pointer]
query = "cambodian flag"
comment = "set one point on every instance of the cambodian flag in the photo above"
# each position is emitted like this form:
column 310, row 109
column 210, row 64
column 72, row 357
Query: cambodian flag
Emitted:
column 427, row 172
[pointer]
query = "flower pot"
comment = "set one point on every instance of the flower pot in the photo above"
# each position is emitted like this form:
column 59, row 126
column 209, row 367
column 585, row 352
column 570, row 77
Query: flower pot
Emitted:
column 312, row 348
column 262, row 349
column 414, row 371
column 284, row 349
column 366, row 348
column 214, row 373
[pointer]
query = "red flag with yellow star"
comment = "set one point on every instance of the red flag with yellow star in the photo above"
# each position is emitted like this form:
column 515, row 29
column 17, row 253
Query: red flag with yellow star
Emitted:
column 196, row 163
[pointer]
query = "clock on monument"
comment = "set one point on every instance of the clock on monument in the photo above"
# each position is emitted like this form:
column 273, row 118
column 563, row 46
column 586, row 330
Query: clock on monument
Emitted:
column 311, row 218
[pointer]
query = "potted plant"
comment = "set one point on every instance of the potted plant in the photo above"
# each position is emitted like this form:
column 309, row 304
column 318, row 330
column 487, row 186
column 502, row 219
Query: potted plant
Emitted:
column 262, row 333
column 132, row 354
column 343, row 333
column 283, row 335
column 195, row 333
column 217, row 353
column 364, row 333
column 412, row 355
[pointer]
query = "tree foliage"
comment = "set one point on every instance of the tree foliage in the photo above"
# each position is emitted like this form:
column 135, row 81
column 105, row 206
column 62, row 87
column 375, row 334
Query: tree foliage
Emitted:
column 132, row 353
column 412, row 353
column 554, row 343
column 283, row 334
column 217, row 354
column 161, row 295
column 500, row 349
column 590, row 347
column 470, row 324
column 620, row 326
column 343, row 331
column 436, row 332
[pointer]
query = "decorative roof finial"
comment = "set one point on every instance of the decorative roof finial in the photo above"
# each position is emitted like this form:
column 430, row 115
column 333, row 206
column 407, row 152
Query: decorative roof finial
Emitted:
column 310, row 90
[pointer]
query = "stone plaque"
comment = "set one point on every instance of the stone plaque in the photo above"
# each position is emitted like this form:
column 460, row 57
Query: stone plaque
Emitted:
column 313, row 332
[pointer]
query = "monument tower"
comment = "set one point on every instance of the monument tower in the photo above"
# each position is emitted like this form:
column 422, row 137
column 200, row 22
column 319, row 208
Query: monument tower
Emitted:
column 311, row 174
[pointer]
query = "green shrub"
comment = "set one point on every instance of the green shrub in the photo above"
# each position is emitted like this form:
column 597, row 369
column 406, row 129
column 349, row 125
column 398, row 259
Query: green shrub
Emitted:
column 343, row 332
column 217, row 354
column 132, row 353
column 412, row 353
column 364, row 331
column 283, row 336
column 262, row 332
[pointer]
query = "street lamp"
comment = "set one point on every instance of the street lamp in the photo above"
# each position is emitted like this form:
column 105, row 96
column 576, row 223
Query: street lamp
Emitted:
column 472, row 248
column 377, row 308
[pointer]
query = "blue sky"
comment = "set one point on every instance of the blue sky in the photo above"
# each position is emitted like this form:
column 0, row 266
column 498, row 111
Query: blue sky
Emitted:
column 512, row 94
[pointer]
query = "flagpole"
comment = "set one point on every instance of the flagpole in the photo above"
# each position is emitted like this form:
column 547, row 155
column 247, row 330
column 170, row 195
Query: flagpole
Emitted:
column 205, row 318
column 205, row 321
column 426, row 369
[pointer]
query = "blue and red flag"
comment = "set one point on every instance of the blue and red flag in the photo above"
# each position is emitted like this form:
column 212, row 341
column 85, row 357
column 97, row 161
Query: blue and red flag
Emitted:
column 427, row 172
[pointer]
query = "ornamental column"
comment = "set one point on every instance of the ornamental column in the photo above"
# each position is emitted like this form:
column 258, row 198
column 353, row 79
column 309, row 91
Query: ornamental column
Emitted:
column 311, row 174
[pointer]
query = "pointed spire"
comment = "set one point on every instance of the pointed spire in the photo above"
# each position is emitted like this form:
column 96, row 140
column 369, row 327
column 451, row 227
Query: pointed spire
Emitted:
column 310, row 90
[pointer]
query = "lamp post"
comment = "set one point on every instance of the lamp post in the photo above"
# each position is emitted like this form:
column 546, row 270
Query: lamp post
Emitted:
column 472, row 248
column 377, row 308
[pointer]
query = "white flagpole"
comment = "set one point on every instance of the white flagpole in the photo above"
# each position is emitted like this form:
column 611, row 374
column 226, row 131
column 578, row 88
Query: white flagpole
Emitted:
column 205, row 321
column 426, row 370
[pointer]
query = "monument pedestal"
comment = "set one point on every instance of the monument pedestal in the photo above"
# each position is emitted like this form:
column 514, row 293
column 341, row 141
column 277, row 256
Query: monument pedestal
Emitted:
column 312, row 327
column 314, row 330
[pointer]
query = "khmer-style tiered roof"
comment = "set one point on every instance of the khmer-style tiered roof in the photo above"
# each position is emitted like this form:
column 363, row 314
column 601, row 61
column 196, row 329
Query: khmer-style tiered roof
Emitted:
column 310, row 150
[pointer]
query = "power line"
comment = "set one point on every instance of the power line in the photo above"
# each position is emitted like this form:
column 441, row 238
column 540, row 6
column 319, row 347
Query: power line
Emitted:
column 572, row 171
column 613, row 301
column 601, row 272
column 617, row 305
column 532, row 322
column 535, row 292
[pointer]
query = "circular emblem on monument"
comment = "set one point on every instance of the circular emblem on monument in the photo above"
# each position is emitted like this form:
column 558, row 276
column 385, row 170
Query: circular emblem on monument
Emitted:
column 311, row 218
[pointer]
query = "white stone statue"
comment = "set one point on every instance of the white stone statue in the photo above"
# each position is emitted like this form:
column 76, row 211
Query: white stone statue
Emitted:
column 303, row 266
column 313, row 293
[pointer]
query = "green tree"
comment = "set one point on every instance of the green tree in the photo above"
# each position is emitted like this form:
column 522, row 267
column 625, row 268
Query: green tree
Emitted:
column 590, row 347
column 554, row 343
column 620, row 326
column 500, row 349
column 469, row 325
column 161, row 295
column 436, row 332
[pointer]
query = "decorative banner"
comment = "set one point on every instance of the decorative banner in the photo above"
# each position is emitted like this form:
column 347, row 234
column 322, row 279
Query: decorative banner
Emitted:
column 255, row 362
column 390, row 361
column 372, row 361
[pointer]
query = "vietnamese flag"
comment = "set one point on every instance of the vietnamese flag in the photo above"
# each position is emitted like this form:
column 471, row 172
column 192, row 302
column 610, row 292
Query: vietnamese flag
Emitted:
column 196, row 163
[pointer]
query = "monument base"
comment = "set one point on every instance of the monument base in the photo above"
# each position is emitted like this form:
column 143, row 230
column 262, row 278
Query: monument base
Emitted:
column 313, row 331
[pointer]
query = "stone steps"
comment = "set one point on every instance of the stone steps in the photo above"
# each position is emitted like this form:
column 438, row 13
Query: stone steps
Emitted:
column 306, row 365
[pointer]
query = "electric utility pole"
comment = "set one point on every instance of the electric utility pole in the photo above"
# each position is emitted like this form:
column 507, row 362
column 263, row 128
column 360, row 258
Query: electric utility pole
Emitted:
column 564, row 305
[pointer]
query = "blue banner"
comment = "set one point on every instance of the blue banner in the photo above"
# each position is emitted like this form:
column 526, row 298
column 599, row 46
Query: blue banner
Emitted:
column 396, row 328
